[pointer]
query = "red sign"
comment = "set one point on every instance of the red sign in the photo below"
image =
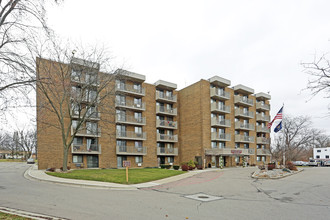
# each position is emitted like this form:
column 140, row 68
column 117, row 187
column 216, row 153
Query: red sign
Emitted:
column 126, row 163
column 236, row 151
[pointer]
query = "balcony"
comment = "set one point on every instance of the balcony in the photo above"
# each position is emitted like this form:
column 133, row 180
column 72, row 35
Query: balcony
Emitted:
column 220, row 122
column 263, row 140
column 244, row 139
column 262, row 106
column 87, row 81
column 129, row 90
column 164, row 111
column 262, row 129
column 263, row 152
column 243, row 101
column 131, row 150
column 243, row 114
column 166, row 124
column 83, row 149
column 131, row 105
column 167, row 138
column 219, row 94
column 229, row 151
column 241, row 126
column 84, row 132
column 89, row 116
column 164, row 151
column 215, row 136
column 220, row 109
column 130, row 120
column 130, row 135
column 260, row 117
column 163, row 97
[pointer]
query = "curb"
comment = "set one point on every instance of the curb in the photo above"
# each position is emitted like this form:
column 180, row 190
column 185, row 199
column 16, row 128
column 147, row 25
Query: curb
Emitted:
column 278, row 177
column 112, row 186
column 29, row 215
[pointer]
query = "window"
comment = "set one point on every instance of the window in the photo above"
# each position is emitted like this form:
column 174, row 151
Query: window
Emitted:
column 258, row 158
column 137, row 102
column 138, row 117
column 91, row 128
column 120, row 84
column 77, row 159
column 327, row 156
column 222, row 144
column 75, row 92
column 213, row 129
column 121, row 115
column 318, row 151
column 317, row 156
column 121, row 99
column 170, row 159
column 76, row 108
column 92, row 112
column 237, row 159
column 169, row 94
column 258, row 146
column 74, row 124
column 214, row 144
column 90, row 78
column 263, row 159
column 236, row 145
column 76, row 75
column 138, row 130
column 90, row 95
column 92, row 144
column 78, row 141
column 138, row 159
column 137, row 87
column 138, row 145
column 246, row 146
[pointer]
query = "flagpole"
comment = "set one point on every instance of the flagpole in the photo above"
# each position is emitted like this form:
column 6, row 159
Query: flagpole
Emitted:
column 283, row 136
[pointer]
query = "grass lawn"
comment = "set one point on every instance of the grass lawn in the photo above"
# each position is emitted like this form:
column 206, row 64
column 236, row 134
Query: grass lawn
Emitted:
column 5, row 216
column 11, row 160
column 119, row 175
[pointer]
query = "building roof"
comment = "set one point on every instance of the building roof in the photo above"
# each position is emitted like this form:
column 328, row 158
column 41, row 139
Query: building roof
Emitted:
column 217, row 80
column 165, row 85
column 263, row 96
column 131, row 75
column 243, row 89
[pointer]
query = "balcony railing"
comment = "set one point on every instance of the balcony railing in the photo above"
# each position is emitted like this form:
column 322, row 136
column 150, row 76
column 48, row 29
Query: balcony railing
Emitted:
column 263, row 129
column 129, row 89
column 164, row 151
column 261, row 117
column 83, row 149
column 242, row 126
column 263, row 152
column 229, row 151
column 90, row 116
column 244, row 139
column 130, row 135
column 167, row 138
column 163, row 110
column 131, row 105
column 263, row 140
column 243, row 114
column 220, row 109
column 215, row 136
column 219, row 94
column 243, row 101
column 166, row 124
column 85, row 80
column 131, row 150
column 87, row 132
column 130, row 120
column 220, row 122
column 166, row 98
column 262, row 106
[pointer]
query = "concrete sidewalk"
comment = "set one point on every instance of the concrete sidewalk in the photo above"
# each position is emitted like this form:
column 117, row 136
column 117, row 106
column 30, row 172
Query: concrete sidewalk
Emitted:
column 34, row 174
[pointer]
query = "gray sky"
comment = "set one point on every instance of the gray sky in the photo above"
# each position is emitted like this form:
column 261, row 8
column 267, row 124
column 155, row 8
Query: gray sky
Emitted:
column 259, row 44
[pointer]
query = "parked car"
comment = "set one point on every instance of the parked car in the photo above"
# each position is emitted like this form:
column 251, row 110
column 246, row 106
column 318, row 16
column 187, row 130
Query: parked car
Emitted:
column 298, row 163
column 30, row 161
column 326, row 163
column 312, row 163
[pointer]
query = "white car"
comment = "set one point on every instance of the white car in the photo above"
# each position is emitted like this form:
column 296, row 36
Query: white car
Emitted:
column 312, row 163
column 298, row 163
column 326, row 163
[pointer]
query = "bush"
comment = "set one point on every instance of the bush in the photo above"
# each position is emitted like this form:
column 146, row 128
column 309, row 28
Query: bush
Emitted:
column 162, row 166
column 184, row 167
column 167, row 166
column 191, row 164
column 52, row 169
column 291, row 166
column 271, row 166
column 176, row 167
column 68, row 167
column 200, row 167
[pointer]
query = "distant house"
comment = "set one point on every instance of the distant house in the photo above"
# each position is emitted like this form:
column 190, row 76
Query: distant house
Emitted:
column 321, row 153
column 4, row 154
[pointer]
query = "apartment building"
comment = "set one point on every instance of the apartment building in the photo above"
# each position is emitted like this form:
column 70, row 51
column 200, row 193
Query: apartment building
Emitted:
column 152, row 124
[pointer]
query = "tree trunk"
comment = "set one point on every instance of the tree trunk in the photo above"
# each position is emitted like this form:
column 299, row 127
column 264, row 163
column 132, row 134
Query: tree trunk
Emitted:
column 65, row 158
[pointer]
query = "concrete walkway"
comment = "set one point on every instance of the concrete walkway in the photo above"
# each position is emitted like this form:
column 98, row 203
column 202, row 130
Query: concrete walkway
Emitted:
column 34, row 174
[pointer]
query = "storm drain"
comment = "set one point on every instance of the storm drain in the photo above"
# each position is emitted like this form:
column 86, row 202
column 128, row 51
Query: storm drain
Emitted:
column 203, row 197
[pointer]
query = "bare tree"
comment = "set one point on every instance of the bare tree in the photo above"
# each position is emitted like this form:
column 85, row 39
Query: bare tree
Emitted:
column 73, row 90
column 296, row 139
column 19, row 22
column 27, row 141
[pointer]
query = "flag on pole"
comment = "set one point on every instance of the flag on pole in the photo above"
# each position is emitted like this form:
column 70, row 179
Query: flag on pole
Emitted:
column 278, row 127
column 279, row 115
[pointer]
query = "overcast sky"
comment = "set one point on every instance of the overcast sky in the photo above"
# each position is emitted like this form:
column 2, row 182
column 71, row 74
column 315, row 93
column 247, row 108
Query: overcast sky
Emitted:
column 259, row 44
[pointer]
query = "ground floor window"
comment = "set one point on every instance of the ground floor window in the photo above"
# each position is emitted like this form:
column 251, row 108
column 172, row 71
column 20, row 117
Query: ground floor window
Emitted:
column 120, row 160
column 258, row 158
column 170, row 159
column 327, row 156
column 138, row 159
column 263, row 159
column 237, row 159
column 77, row 159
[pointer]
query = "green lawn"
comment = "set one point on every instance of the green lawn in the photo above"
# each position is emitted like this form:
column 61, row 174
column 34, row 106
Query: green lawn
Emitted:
column 119, row 175
column 5, row 216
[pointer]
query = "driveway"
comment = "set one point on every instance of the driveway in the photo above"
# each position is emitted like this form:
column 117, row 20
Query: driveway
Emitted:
column 236, row 196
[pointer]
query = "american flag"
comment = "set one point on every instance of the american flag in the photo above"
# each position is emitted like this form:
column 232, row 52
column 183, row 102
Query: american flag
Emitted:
column 279, row 115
